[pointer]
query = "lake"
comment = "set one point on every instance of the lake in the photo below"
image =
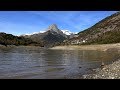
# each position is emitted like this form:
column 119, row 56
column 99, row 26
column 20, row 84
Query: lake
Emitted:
column 38, row 63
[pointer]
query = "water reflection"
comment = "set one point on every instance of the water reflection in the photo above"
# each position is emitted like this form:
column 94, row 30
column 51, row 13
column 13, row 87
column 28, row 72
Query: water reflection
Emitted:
column 34, row 62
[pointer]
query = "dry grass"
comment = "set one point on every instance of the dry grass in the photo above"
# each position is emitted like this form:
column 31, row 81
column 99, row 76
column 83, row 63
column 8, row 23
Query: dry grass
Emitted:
column 102, row 47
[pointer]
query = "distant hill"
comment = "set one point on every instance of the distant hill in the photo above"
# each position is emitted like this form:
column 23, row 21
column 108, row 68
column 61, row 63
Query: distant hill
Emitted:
column 9, row 39
column 103, row 32
column 53, row 36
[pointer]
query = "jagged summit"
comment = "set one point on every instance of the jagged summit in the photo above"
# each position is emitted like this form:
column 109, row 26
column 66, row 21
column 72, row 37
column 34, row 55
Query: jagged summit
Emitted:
column 54, row 28
column 51, row 28
column 52, row 36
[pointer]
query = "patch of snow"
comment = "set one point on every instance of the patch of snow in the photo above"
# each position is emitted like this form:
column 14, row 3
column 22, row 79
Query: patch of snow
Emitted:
column 42, row 31
column 33, row 33
column 75, row 32
column 67, row 32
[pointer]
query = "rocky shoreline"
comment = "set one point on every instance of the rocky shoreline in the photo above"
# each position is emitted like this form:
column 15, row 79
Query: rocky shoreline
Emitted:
column 111, row 71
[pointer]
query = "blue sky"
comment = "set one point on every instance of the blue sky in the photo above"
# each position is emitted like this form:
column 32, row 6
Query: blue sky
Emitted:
column 26, row 22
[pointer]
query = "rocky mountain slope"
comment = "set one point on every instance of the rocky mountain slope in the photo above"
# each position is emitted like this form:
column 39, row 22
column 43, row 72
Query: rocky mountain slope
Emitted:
column 52, row 36
column 103, row 32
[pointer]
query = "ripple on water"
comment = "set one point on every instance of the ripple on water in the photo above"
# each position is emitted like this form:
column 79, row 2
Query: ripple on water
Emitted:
column 34, row 62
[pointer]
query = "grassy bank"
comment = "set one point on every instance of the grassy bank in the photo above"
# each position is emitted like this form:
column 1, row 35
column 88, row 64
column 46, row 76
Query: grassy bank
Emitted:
column 102, row 47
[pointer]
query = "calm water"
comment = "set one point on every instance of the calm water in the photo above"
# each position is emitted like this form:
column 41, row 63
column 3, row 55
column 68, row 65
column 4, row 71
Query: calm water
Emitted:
column 34, row 62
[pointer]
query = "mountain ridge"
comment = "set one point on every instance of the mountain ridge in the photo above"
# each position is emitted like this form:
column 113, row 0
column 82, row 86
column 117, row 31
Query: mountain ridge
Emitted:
column 52, row 36
column 105, row 31
column 9, row 39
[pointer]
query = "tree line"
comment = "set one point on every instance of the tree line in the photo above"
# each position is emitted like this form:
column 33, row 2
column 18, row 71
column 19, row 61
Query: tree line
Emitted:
column 9, row 39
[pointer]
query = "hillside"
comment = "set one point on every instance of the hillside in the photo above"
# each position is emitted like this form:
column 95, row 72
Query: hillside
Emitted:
column 9, row 39
column 53, row 36
column 103, row 32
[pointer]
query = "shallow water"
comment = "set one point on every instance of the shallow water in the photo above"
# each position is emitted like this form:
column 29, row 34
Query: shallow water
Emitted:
column 38, row 63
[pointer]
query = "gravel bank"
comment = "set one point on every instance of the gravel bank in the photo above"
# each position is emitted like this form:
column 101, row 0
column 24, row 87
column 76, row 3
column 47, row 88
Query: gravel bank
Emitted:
column 111, row 71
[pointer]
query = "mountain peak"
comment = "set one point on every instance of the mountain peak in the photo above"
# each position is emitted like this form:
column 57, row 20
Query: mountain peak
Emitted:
column 53, row 27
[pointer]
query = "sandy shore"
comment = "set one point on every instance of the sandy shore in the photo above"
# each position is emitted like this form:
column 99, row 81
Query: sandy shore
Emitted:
column 102, row 47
